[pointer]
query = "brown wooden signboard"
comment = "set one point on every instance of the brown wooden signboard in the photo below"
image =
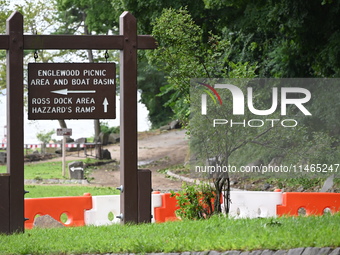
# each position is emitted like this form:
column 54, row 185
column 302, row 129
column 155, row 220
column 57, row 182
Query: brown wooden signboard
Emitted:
column 71, row 91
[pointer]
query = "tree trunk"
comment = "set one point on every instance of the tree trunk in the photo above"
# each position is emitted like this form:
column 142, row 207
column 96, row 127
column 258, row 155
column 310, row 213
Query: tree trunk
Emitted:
column 96, row 122
column 222, row 187
column 62, row 123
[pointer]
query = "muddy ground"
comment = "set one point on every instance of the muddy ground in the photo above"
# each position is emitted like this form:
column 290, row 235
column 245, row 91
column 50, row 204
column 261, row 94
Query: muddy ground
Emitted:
column 156, row 151
column 159, row 151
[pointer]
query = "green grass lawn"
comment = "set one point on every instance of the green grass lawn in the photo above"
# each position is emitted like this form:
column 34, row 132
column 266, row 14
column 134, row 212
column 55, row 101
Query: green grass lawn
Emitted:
column 41, row 170
column 36, row 191
column 52, row 170
column 44, row 170
column 217, row 233
column 3, row 169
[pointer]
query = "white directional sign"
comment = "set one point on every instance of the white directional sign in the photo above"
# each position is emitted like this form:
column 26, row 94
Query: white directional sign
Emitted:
column 71, row 91
column 64, row 131
column 76, row 169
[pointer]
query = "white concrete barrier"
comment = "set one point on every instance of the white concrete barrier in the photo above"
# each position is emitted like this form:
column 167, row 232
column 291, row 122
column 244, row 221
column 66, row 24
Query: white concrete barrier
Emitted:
column 156, row 201
column 254, row 204
column 243, row 204
column 106, row 208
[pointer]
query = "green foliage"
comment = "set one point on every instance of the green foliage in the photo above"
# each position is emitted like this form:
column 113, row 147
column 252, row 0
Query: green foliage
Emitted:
column 2, row 76
column 150, row 81
column 45, row 136
column 4, row 14
column 172, row 101
column 147, row 11
column 287, row 38
column 36, row 21
column 282, row 38
column 194, row 201
column 99, row 16
column 182, row 54
column 305, row 183
column 88, row 17
column 178, row 39
column 108, row 130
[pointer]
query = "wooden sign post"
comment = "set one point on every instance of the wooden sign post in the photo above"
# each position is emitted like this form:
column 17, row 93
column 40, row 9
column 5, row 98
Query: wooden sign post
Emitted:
column 63, row 132
column 136, row 184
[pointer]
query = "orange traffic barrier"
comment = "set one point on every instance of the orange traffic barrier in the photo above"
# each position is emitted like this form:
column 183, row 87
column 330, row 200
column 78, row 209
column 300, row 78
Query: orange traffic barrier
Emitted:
column 308, row 203
column 71, row 209
column 167, row 211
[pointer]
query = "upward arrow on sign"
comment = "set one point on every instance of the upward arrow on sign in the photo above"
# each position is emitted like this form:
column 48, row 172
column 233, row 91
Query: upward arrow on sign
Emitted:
column 105, row 103
column 66, row 91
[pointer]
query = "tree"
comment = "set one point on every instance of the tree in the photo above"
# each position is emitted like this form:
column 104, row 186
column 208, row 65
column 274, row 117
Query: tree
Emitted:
column 4, row 14
column 146, row 12
column 97, row 16
column 284, row 38
column 185, row 53
column 150, row 81
column 91, row 16
column 287, row 38
column 101, row 17
column 182, row 55
column 45, row 137
column 37, row 22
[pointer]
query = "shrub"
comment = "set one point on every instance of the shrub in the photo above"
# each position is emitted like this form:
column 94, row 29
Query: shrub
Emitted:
column 195, row 201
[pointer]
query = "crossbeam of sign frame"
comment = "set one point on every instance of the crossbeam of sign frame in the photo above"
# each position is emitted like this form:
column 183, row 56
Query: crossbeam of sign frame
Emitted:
column 71, row 91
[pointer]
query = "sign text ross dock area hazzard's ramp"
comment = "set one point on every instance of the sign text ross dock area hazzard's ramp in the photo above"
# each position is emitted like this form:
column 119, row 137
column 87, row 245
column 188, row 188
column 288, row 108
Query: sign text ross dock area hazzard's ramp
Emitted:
column 71, row 91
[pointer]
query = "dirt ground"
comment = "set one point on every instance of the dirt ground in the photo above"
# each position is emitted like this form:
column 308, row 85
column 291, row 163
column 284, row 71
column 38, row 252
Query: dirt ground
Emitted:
column 156, row 151
column 161, row 150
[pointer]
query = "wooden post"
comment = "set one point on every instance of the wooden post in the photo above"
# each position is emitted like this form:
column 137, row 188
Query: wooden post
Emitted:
column 15, row 123
column 144, row 196
column 4, row 204
column 63, row 151
column 128, row 119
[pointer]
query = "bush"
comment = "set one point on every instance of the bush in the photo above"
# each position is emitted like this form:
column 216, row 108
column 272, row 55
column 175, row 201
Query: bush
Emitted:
column 195, row 201
column 104, row 127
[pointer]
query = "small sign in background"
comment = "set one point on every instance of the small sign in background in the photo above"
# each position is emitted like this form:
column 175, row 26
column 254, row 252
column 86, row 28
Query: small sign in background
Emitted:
column 64, row 131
